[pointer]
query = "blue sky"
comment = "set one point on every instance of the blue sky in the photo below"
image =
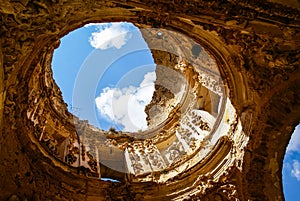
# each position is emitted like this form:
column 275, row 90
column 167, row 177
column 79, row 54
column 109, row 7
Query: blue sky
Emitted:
column 107, row 83
column 105, row 70
column 291, row 168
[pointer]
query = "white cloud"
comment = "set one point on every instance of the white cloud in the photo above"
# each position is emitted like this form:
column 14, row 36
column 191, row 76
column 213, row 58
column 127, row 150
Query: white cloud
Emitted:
column 126, row 106
column 110, row 35
column 296, row 169
column 294, row 144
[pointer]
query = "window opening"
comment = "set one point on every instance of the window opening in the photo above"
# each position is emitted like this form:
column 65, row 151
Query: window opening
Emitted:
column 291, row 168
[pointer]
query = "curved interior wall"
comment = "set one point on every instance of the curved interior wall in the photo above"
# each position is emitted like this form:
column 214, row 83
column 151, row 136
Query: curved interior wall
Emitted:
column 255, row 47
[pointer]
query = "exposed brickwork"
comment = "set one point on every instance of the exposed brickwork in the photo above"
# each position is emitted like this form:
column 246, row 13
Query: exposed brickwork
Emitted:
column 256, row 45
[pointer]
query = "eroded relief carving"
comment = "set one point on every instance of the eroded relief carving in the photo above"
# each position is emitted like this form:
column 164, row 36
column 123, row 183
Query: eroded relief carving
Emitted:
column 210, row 83
column 73, row 154
column 145, row 157
column 175, row 152
column 260, row 42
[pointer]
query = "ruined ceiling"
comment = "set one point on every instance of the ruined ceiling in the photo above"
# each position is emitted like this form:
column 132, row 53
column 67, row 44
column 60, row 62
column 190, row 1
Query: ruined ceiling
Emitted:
column 255, row 48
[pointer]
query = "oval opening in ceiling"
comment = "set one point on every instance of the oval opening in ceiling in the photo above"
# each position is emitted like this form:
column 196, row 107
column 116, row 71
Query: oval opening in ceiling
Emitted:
column 106, row 70
column 152, row 91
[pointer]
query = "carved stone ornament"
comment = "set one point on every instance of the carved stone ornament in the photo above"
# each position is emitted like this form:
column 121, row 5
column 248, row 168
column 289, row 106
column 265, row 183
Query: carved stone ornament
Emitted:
column 226, row 102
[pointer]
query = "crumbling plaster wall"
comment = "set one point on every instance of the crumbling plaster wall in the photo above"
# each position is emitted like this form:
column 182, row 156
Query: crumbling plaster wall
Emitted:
column 256, row 45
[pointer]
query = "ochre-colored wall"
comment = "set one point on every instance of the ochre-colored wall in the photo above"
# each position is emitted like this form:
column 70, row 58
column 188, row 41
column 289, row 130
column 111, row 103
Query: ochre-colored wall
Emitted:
column 256, row 45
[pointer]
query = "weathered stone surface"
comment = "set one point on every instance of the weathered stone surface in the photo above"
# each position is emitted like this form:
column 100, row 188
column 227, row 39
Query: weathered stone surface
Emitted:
column 256, row 47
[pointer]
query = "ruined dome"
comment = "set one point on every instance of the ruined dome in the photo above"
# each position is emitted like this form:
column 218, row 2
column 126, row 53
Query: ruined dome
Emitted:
column 226, row 101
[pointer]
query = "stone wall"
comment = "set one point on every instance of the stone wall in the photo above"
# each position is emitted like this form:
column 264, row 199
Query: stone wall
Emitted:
column 255, row 45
